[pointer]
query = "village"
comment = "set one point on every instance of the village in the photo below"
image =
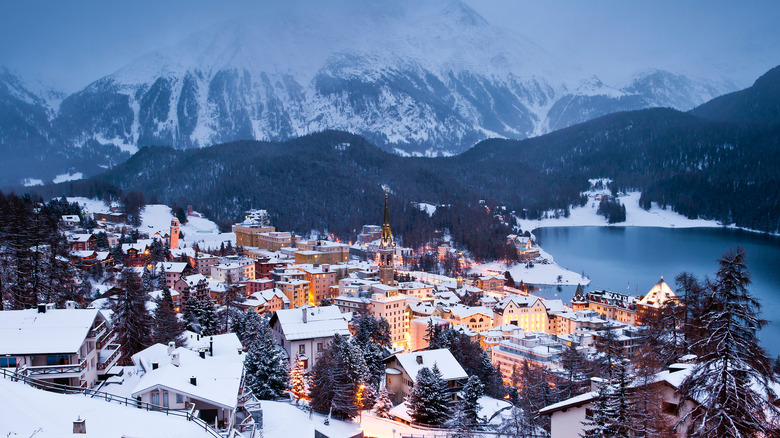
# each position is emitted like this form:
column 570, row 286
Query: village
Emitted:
column 310, row 294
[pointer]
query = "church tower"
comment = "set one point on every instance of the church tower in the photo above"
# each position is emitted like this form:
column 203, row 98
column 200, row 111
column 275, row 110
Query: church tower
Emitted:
column 386, row 250
column 174, row 239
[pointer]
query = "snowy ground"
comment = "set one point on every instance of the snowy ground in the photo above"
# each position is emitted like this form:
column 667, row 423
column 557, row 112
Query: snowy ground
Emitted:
column 540, row 273
column 158, row 217
column 283, row 420
column 68, row 177
column 636, row 216
column 31, row 412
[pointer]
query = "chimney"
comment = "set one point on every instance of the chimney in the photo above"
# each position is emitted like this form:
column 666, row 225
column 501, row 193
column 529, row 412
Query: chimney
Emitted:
column 70, row 304
column 80, row 426
column 596, row 383
column 41, row 308
column 305, row 317
column 193, row 381
column 171, row 347
column 155, row 365
column 419, row 359
column 202, row 354
column 175, row 359
column 325, row 268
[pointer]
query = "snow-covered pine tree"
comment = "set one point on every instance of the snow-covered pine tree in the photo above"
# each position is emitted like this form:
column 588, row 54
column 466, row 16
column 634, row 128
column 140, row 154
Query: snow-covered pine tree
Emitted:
column 297, row 379
column 336, row 379
column 732, row 377
column 428, row 402
column 146, row 280
column 231, row 300
column 599, row 425
column 208, row 318
column 471, row 392
column 266, row 369
column 252, row 327
column 166, row 327
column 192, row 314
column 383, row 404
column 131, row 320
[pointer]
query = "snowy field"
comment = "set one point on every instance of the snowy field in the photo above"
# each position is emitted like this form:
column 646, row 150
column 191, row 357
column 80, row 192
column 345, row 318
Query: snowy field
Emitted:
column 636, row 216
column 157, row 218
column 29, row 412
column 540, row 273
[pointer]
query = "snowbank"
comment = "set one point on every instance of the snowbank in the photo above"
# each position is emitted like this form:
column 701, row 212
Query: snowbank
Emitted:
column 636, row 216
column 32, row 412
column 540, row 273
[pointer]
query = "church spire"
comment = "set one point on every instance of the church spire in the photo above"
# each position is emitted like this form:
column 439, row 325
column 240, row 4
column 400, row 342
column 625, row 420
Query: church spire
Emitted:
column 387, row 235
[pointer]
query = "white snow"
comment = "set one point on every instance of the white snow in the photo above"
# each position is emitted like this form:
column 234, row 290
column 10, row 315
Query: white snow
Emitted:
column 428, row 208
column 156, row 218
column 67, row 177
column 636, row 216
column 540, row 273
column 90, row 205
column 32, row 182
column 283, row 420
column 31, row 412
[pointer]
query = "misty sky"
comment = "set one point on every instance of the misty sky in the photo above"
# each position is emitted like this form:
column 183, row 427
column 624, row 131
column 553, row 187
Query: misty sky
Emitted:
column 73, row 43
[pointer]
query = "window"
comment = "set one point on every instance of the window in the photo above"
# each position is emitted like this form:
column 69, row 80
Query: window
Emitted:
column 319, row 346
column 156, row 398
column 179, row 398
column 165, row 399
column 60, row 359
column 7, row 362
column 302, row 349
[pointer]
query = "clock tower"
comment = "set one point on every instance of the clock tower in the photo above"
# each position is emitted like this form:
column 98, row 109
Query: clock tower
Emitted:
column 386, row 251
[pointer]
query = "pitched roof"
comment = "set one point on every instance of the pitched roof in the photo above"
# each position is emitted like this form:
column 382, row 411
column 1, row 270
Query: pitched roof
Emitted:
column 444, row 360
column 56, row 331
column 218, row 378
column 321, row 322
column 658, row 295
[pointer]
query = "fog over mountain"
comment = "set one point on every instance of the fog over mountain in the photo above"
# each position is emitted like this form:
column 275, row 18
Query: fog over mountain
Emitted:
column 416, row 78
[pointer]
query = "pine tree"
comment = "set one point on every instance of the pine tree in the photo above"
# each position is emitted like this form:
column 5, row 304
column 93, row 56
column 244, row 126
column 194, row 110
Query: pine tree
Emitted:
column 383, row 404
column 427, row 402
column 297, row 379
column 231, row 299
column 731, row 379
column 471, row 392
column 266, row 369
column 208, row 318
column 251, row 327
column 337, row 377
column 166, row 327
column 575, row 373
column 131, row 320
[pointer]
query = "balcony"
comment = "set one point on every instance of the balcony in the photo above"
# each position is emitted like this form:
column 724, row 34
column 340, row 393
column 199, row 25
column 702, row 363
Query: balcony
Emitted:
column 98, row 331
column 111, row 354
column 56, row 370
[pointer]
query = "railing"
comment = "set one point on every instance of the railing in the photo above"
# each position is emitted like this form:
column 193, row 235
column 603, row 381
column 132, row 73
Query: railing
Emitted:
column 104, row 339
column 65, row 389
column 57, row 369
column 104, row 365
column 97, row 331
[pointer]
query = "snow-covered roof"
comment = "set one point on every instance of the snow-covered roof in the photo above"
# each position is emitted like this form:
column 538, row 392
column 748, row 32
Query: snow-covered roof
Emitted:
column 517, row 300
column 56, row 331
column 446, row 362
column 262, row 298
column 218, row 379
column 461, row 311
column 658, row 295
column 194, row 279
column 554, row 306
column 574, row 401
column 321, row 322
column 176, row 267
column 79, row 237
column 489, row 407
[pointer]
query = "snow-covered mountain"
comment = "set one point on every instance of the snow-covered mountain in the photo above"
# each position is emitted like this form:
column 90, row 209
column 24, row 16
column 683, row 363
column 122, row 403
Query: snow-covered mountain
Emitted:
column 420, row 78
